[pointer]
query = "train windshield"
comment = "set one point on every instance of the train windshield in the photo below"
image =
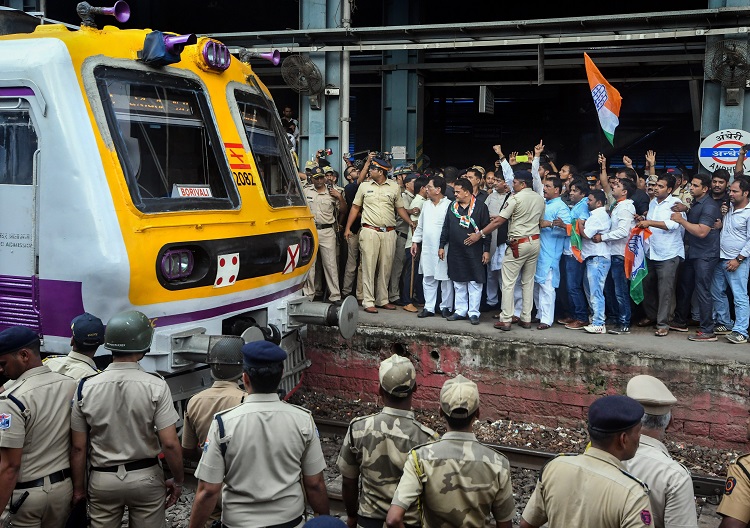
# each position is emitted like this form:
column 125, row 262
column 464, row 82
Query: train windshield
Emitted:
column 276, row 169
column 18, row 142
column 166, row 141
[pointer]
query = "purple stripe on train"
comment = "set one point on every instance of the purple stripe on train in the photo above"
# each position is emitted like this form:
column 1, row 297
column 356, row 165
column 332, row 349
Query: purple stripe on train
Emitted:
column 61, row 301
column 16, row 91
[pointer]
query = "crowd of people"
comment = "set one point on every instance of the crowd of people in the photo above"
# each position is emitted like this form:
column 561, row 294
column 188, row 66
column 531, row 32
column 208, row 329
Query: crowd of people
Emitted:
column 260, row 461
column 538, row 244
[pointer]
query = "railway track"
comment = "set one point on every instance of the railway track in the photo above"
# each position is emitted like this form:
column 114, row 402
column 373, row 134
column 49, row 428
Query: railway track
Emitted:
column 534, row 459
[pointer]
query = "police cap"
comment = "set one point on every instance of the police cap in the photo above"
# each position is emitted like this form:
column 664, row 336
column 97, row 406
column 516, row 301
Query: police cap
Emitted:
column 524, row 176
column 87, row 329
column 650, row 392
column 15, row 338
column 459, row 397
column 397, row 376
column 613, row 414
column 381, row 164
column 309, row 165
column 324, row 521
column 262, row 353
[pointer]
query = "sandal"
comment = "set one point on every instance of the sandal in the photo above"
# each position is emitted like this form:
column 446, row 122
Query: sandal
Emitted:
column 661, row 332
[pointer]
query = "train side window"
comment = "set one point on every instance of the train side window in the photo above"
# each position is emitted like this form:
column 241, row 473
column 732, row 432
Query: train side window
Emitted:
column 18, row 143
column 277, row 173
column 166, row 141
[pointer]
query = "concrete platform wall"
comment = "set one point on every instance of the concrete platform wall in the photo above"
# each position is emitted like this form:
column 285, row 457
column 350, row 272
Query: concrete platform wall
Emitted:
column 547, row 383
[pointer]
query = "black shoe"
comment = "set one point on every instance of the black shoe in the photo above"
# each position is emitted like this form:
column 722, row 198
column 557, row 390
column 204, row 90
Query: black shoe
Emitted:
column 456, row 317
column 425, row 313
column 620, row 330
column 445, row 312
column 474, row 319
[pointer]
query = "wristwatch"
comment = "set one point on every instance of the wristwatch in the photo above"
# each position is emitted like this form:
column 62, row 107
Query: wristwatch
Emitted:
column 740, row 259
column 481, row 233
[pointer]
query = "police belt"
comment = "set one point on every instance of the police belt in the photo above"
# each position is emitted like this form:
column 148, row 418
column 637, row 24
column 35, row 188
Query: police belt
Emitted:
column 323, row 226
column 54, row 478
column 381, row 229
column 369, row 522
column 288, row 524
column 130, row 466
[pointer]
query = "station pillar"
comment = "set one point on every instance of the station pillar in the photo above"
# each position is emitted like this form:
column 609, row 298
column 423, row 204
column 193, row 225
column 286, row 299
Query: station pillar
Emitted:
column 403, row 91
column 717, row 112
column 320, row 128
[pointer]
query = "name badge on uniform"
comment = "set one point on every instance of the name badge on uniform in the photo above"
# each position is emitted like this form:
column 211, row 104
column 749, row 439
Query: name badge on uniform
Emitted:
column 5, row 421
column 205, row 446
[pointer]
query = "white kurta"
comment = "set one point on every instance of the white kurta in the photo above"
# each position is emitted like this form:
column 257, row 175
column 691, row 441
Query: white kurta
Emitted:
column 428, row 231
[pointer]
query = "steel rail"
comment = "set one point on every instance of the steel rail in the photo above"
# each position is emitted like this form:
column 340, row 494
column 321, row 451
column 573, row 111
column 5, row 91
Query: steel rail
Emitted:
column 535, row 459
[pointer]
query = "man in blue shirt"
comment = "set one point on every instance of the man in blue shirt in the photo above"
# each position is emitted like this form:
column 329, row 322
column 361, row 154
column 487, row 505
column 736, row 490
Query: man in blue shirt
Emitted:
column 553, row 238
column 575, row 270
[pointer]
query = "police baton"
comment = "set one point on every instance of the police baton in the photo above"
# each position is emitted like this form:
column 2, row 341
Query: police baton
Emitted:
column 14, row 507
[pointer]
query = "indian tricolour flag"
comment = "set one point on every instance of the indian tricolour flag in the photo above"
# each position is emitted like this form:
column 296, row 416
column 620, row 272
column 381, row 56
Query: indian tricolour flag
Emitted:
column 635, row 261
column 606, row 99
column 574, row 230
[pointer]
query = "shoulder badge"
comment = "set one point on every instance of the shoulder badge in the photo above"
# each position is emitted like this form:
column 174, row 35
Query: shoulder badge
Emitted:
column 729, row 485
column 5, row 420
column 646, row 517
column 639, row 481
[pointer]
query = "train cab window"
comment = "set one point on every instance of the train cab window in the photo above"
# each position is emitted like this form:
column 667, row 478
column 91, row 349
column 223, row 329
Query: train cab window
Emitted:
column 18, row 143
column 166, row 140
column 277, row 173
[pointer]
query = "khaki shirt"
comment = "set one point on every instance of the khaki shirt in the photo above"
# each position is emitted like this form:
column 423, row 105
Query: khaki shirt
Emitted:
column 323, row 206
column 523, row 211
column 736, row 500
column 406, row 198
column 222, row 395
column 124, row 406
column 270, row 445
column 42, row 431
column 458, row 482
column 683, row 194
column 376, row 447
column 378, row 202
column 671, row 496
column 75, row 365
column 591, row 489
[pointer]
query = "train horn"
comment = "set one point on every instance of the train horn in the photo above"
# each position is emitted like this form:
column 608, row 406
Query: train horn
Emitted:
column 121, row 12
column 274, row 57
column 176, row 43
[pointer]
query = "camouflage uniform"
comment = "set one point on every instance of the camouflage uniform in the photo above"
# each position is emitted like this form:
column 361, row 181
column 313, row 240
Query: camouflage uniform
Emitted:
column 376, row 447
column 456, row 480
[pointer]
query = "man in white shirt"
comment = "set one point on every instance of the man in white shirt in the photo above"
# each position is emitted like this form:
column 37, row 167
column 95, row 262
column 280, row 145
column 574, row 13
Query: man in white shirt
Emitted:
column 495, row 203
column 665, row 251
column 427, row 233
column 732, row 269
column 596, row 257
column 623, row 220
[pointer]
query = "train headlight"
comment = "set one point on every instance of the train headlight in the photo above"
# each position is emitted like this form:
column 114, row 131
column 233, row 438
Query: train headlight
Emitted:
column 177, row 264
column 305, row 246
column 213, row 56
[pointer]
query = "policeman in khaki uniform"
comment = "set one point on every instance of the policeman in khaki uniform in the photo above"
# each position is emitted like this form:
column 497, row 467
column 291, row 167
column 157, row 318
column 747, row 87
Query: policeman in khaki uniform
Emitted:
column 265, row 452
column 523, row 211
column 671, row 496
column 456, row 480
column 379, row 200
column 593, row 489
column 735, row 504
column 88, row 334
column 34, row 434
column 376, row 447
column 125, row 417
column 324, row 205
column 225, row 360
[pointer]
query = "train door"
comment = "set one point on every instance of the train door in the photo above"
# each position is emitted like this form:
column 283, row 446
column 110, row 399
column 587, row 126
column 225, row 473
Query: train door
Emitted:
column 19, row 154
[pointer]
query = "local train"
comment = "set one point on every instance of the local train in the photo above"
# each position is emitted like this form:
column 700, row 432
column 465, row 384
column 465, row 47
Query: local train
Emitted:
column 149, row 171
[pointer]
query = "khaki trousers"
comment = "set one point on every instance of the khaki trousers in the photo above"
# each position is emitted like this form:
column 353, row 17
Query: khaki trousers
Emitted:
column 327, row 244
column 352, row 263
column 47, row 506
column 394, row 284
column 377, row 249
column 524, row 267
column 143, row 491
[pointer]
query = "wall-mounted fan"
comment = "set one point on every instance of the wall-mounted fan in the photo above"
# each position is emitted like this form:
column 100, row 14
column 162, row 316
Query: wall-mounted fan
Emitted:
column 727, row 62
column 302, row 76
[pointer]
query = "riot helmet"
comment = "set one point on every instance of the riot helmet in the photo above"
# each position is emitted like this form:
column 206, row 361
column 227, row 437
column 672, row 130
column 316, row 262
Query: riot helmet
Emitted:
column 128, row 333
column 225, row 358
